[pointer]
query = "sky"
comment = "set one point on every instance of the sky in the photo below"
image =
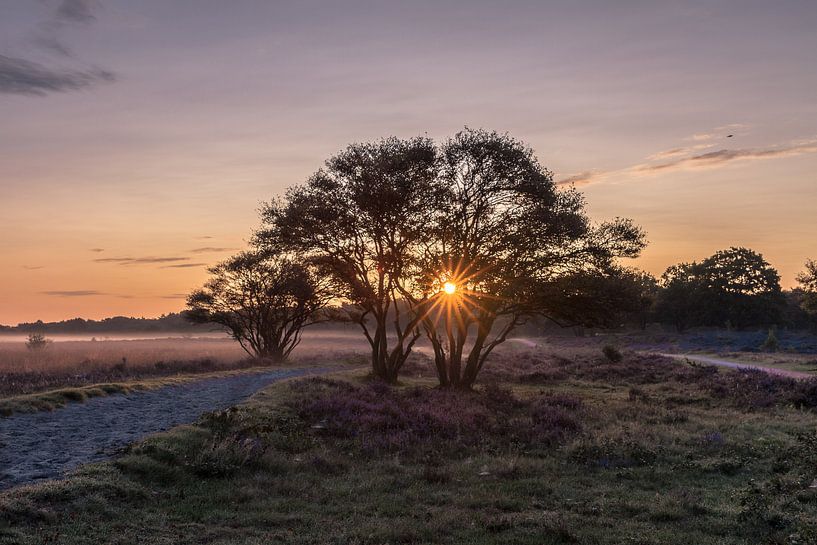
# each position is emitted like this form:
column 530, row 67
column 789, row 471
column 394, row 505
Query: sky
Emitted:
column 138, row 139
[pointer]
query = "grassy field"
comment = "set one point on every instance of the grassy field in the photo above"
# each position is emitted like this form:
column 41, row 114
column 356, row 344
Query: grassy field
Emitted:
column 77, row 363
column 554, row 447
column 804, row 363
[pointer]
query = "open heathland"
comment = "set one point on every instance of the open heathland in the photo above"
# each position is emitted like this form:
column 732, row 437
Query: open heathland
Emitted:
column 553, row 446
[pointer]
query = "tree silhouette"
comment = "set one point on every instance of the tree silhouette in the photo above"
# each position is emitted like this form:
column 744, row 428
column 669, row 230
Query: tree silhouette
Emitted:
column 734, row 286
column 262, row 300
column 506, row 238
column 361, row 221
column 808, row 283
column 462, row 242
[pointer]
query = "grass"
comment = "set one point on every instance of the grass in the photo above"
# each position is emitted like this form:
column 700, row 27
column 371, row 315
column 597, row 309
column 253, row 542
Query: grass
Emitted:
column 567, row 448
column 53, row 399
column 72, row 364
column 804, row 363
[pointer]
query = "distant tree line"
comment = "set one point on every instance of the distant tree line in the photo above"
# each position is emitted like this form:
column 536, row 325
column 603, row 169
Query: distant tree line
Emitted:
column 734, row 288
column 173, row 322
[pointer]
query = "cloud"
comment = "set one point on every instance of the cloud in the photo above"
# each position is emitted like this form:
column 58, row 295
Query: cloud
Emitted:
column 209, row 249
column 583, row 178
column 76, row 11
column 73, row 293
column 97, row 250
column 22, row 77
column 184, row 265
column 205, row 237
column 690, row 157
column 719, row 157
column 139, row 260
column 33, row 267
column 174, row 296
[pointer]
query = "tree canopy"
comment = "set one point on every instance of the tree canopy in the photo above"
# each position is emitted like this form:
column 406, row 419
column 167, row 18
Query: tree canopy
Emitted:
column 262, row 300
column 734, row 287
column 394, row 222
column 361, row 221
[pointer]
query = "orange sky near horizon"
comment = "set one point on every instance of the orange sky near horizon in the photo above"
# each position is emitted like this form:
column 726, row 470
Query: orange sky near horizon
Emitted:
column 139, row 139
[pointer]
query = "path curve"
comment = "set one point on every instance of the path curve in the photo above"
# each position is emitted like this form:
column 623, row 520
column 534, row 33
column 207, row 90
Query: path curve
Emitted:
column 45, row 445
column 738, row 365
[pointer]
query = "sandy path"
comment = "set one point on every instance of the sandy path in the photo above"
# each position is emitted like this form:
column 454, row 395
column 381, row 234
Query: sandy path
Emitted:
column 738, row 365
column 45, row 445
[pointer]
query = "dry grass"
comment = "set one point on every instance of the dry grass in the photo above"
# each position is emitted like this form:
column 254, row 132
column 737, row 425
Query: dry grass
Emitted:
column 75, row 363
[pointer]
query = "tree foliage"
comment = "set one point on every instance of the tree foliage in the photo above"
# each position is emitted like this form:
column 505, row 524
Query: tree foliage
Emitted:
column 734, row 287
column 263, row 300
column 507, row 238
column 808, row 284
column 392, row 221
column 361, row 221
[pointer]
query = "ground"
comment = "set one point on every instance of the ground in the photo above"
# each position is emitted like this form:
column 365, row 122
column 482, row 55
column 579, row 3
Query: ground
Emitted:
column 554, row 446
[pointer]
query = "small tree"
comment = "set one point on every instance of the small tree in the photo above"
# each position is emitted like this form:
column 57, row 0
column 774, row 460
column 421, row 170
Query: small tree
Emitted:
column 263, row 301
column 37, row 341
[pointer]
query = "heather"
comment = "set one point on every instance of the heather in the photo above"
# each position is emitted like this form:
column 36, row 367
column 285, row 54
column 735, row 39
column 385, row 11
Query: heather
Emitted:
column 551, row 446
column 421, row 420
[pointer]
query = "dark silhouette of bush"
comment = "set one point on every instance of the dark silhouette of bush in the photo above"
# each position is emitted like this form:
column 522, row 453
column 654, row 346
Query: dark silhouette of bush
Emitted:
column 612, row 353
column 37, row 341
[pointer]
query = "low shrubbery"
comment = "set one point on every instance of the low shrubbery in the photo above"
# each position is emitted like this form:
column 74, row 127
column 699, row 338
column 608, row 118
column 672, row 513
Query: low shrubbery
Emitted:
column 378, row 418
column 745, row 388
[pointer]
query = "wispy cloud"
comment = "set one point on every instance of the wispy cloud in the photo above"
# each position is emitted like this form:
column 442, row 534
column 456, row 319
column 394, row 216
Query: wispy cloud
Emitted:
column 211, row 249
column 174, row 296
column 720, row 157
column 139, row 260
column 97, row 250
column 582, row 178
column 33, row 267
column 184, row 265
column 205, row 237
column 690, row 157
column 73, row 293
column 22, row 77
column 77, row 11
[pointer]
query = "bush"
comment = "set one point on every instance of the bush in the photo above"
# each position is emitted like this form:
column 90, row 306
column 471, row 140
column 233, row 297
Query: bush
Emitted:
column 612, row 353
column 37, row 341
column 422, row 421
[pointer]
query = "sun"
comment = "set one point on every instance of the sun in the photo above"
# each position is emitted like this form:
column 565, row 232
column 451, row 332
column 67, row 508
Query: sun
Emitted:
column 449, row 288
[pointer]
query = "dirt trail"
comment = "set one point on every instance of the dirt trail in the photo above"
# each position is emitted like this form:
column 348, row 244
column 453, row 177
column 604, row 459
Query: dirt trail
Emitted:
column 45, row 445
column 738, row 365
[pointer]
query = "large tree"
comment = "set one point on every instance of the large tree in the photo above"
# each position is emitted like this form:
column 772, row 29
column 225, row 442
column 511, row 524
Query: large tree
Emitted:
column 361, row 220
column 503, row 238
column 264, row 301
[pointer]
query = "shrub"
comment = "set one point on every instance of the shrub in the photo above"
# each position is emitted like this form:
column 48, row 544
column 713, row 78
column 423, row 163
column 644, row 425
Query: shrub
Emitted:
column 427, row 422
column 612, row 353
column 37, row 341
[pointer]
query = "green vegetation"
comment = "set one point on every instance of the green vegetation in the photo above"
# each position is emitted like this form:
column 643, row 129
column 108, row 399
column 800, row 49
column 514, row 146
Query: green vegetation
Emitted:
column 53, row 399
column 570, row 448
